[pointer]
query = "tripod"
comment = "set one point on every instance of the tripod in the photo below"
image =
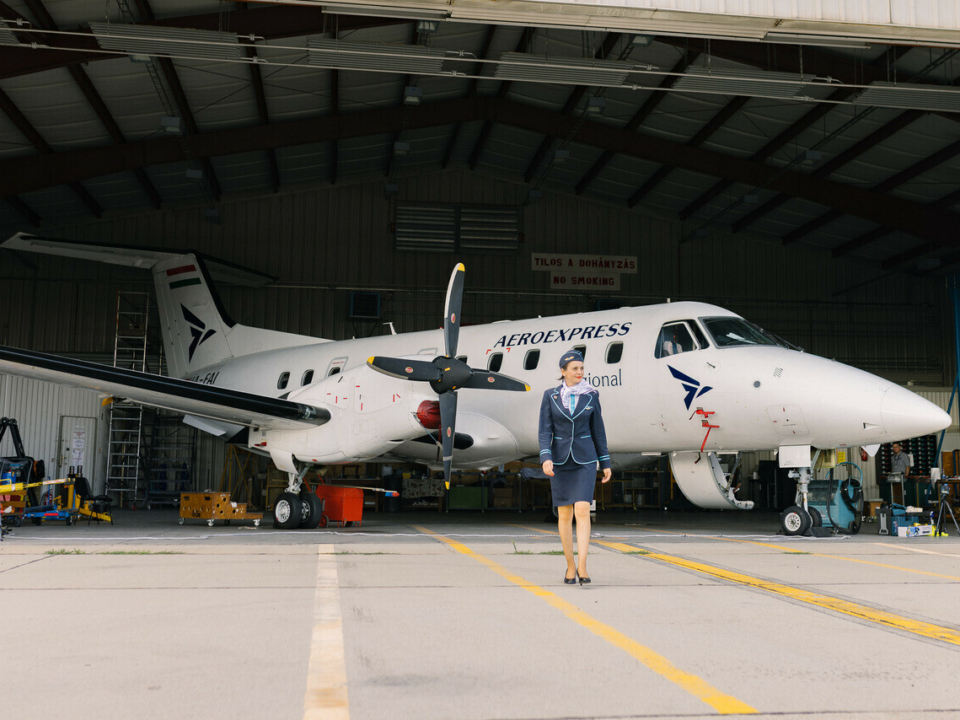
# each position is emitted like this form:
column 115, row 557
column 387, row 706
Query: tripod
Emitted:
column 944, row 505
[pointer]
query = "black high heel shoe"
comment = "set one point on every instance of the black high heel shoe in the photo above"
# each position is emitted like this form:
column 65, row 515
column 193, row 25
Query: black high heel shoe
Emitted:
column 583, row 580
column 570, row 581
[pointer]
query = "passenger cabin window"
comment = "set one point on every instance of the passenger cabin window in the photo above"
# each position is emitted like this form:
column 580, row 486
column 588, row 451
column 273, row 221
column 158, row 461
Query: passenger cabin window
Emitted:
column 614, row 352
column 495, row 362
column 674, row 338
column 307, row 378
column 531, row 360
column 582, row 349
column 734, row 331
column 334, row 371
column 282, row 382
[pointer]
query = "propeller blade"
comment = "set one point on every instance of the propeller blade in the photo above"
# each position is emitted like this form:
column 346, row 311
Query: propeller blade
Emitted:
column 486, row 380
column 451, row 309
column 448, row 427
column 406, row 369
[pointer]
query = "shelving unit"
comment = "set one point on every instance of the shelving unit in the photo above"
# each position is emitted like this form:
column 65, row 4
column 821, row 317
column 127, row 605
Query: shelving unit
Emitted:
column 924, row 451
column 172, row 455
column 634, row 489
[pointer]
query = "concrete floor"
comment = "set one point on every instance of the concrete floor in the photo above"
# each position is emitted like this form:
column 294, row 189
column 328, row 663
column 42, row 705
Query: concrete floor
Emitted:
column 462, row 615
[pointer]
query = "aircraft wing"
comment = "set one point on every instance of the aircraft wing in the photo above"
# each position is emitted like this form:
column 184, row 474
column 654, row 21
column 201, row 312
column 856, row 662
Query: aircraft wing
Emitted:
column 183, row 396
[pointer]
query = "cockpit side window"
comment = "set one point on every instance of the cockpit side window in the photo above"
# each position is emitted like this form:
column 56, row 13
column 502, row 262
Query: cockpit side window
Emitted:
column 674, row 338
column 701, row 338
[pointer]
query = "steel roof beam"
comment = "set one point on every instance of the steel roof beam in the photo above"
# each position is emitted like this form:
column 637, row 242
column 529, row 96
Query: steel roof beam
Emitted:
column 86, row 86
column 718, row 121
column 471, row 92
column 180, row 98
column 27, row 174
column 526, row 37
column 925, row 165
column 835, row 163
column 256, row 79
column 945, row 202
column 763, row 61
column 23, row 209
column 637, row 120
column 24, row 126
column 572, row 102
column 272, row 23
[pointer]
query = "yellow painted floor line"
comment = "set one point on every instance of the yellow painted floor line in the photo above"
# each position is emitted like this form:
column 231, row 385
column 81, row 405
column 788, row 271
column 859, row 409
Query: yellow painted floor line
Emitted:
column 722, row 703
column 326, row 695
column 863, row 612
column 917, row 550
column 815, row 554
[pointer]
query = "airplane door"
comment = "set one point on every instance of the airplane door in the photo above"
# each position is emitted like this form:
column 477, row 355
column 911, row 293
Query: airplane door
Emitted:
column 77, row 448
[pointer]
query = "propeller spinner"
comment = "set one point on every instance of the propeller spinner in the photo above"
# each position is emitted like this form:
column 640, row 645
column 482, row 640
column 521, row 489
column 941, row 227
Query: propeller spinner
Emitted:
column 446, row 374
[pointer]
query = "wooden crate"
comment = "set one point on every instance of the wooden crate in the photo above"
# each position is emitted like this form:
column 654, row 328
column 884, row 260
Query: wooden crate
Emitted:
column 212, row 506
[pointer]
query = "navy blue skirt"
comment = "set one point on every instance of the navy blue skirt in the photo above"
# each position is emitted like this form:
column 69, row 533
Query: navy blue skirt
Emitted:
column 572, row 483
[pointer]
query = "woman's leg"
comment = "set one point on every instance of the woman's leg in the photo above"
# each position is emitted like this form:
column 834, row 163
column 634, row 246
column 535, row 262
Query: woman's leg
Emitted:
column 565, row 526
column 582, row 510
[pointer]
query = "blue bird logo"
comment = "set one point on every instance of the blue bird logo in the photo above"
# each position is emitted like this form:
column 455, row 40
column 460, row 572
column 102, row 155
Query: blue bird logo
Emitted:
column 691, row 386
column 197, row 327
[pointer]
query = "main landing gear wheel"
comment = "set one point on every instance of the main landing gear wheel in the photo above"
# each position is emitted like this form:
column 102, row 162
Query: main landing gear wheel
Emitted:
column 816, row 519
column 310, row 508
column 286, row 511
column 795, row 520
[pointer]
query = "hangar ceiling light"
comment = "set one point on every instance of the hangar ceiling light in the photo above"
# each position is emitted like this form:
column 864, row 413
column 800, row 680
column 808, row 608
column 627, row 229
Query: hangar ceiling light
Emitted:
column 384, row 11
column 154, row 40
column 910, row 95
column 742, row 82
column 413, row 59
column 6, row 36
column 816, row 40
column 575, row 71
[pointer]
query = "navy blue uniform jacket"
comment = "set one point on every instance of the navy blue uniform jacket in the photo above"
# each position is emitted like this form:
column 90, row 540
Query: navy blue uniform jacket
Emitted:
column 580, row 435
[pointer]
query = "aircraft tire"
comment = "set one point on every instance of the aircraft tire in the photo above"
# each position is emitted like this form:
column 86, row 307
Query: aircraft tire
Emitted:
column 310, row 509
column 794, row 520
column 286, row 511
column 816, row 519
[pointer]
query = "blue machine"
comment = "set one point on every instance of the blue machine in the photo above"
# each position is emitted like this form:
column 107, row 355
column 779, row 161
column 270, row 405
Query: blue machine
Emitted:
column 839, row 498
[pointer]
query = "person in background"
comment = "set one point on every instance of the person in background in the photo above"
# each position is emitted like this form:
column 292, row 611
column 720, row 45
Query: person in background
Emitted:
column 572, row 442
column 899, row 461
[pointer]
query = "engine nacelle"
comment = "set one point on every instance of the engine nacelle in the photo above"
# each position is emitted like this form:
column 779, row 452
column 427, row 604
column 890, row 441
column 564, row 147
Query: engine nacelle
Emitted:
column 370, row 414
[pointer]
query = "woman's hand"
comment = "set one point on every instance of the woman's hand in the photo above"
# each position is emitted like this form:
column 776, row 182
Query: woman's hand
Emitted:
column 548, row 468
column 607, row 474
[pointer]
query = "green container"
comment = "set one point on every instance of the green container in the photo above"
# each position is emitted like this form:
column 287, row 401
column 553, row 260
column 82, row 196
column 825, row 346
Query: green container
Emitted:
column 467, row 497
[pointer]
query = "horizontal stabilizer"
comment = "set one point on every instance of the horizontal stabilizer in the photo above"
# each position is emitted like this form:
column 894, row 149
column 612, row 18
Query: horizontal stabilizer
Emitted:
column 145, row 258
column 205, row 401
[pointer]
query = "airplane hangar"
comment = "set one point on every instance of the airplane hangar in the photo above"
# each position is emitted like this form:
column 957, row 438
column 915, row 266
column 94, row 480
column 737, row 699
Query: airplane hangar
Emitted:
column 331, row 163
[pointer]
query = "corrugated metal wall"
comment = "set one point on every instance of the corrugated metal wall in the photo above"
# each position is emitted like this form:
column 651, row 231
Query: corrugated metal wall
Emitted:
column 38, row 408
column 321, row 242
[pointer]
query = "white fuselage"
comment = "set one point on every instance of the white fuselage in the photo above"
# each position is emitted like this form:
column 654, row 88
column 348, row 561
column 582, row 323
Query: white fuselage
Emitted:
column 761, row 396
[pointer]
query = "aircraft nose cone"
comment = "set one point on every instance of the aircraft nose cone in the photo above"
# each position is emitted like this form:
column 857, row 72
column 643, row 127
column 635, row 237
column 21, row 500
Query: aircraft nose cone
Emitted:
column 905, row 414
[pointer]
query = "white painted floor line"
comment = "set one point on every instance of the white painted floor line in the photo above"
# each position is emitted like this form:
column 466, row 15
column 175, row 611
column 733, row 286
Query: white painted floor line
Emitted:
column 326, row 695
column 917, row 550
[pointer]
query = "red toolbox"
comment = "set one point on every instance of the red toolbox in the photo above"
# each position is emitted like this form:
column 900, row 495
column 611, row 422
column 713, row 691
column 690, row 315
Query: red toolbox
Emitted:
column 342, row 505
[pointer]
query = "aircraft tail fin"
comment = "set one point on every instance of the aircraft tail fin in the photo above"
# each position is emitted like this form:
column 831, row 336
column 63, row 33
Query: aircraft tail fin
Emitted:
column 197, row 332
column 195, row 328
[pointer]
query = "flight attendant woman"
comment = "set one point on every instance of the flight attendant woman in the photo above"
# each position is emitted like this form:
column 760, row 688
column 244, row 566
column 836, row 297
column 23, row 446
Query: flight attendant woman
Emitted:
column 572, row 442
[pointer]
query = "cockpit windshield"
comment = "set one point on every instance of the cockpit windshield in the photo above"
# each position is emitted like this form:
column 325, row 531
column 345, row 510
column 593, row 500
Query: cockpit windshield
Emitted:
column 734, row 332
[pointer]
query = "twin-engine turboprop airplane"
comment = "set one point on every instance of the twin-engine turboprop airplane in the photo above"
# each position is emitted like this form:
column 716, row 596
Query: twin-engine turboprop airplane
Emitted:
column 685, row 379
